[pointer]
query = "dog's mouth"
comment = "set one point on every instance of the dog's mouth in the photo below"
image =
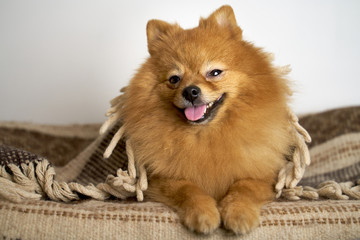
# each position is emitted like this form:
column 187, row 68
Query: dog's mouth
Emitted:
column 203, row 112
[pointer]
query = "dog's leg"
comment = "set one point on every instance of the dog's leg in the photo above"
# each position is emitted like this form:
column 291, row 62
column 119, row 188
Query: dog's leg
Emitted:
column 240, row 208
column 196, row 209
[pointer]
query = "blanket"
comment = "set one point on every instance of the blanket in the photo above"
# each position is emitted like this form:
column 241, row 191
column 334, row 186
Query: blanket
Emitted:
column 76, row 155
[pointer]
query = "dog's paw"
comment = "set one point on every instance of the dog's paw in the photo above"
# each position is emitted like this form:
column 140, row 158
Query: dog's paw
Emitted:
column 239, row 218
column 202, row 219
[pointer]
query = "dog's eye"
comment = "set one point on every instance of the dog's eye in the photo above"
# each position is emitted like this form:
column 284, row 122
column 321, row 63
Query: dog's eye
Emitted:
column 174, row 79
column 214, row 73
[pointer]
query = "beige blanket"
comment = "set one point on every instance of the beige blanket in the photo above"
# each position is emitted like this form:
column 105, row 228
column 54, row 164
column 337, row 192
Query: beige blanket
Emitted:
column 77, row 156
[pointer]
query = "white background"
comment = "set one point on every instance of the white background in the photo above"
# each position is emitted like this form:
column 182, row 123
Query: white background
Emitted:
column 62, row 61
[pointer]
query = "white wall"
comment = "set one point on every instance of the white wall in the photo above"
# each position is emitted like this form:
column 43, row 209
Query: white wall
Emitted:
column 62, row 61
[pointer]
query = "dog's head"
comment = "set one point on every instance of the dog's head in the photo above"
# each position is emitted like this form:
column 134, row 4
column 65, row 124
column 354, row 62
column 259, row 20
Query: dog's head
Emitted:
column 205, row 71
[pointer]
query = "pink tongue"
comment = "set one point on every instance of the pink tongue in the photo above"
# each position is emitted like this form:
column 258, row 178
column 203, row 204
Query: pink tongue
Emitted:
column 195, row 113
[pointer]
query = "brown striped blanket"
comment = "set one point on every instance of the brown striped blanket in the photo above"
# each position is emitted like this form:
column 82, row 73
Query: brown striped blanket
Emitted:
column 76, row 152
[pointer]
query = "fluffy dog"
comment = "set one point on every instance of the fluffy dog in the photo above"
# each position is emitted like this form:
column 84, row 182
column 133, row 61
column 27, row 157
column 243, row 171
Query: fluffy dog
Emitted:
column 207, row 116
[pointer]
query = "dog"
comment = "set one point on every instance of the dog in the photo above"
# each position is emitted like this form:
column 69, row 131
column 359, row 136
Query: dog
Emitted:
column 207, row 117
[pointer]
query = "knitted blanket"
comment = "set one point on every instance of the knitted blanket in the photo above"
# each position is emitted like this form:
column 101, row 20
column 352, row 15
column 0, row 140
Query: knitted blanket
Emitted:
column 75, row 153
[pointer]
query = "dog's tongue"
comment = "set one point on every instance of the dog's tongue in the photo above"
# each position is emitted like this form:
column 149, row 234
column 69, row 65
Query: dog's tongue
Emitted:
column 195, row 113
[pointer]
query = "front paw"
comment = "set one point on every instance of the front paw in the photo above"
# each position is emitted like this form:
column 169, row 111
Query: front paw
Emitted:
column 202, row 219
column 240, row 218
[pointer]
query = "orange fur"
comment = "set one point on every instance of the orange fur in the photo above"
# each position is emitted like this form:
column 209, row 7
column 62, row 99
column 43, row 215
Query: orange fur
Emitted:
column 225, row 167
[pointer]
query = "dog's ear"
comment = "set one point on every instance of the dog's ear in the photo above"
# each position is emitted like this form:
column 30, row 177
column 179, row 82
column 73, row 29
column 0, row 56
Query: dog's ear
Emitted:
column 223, row 17
column 156, row 30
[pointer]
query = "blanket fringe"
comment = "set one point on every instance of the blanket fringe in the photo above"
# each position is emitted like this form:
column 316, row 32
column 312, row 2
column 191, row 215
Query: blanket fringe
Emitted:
column 291, row 174
column 36, row 180
column 327, row 189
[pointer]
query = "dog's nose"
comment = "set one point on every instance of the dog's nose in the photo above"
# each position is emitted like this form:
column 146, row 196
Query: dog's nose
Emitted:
column 191, row 93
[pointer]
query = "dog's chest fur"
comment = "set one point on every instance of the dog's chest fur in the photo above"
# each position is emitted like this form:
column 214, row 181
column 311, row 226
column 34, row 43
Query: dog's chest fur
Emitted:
column 211, row 160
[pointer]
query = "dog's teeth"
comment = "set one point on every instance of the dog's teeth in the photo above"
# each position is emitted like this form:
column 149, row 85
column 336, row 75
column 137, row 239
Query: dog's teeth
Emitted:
column 210, row 104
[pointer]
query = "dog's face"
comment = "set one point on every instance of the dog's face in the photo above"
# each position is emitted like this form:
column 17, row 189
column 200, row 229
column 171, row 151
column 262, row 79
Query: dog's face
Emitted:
column 198, row 86
column 195, row 68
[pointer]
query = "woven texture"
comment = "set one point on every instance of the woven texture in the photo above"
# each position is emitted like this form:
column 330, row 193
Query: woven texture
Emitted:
column 335, row 154
column 335, row 146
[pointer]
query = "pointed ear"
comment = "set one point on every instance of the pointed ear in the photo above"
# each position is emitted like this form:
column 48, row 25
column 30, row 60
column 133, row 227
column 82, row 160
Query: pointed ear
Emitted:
column 223, row 17
column 155, row 30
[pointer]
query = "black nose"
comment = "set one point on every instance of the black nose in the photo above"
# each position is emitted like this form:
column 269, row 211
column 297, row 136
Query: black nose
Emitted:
column 191, row 93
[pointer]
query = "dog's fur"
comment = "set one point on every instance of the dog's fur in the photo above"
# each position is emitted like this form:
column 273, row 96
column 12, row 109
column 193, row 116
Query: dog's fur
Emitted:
column 222, row 169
